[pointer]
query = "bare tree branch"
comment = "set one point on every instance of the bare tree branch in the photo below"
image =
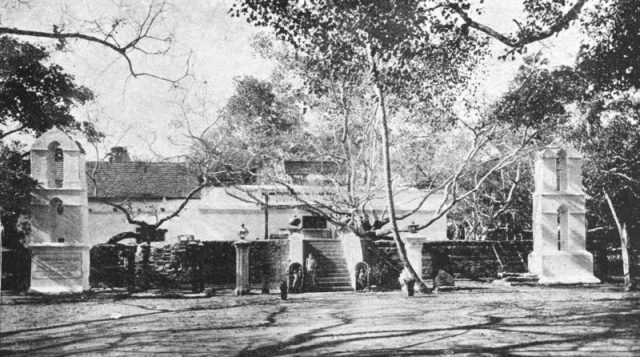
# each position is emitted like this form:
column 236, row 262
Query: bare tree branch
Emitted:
column 108, row 40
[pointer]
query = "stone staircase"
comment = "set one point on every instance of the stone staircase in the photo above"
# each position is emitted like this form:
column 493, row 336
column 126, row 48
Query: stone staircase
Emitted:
column 516, row 279
column 511, row 261
column 332, row 273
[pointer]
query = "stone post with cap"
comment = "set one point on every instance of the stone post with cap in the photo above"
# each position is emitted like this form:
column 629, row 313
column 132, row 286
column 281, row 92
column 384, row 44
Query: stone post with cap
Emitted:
column 242, row 262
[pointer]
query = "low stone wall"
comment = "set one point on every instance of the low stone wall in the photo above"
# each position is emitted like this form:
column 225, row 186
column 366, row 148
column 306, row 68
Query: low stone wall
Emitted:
column 170, row 264
column 467, row 259
column 109, row 265
column 608, row 263
column 219, row 263
column 464, row 259
column 268, row 262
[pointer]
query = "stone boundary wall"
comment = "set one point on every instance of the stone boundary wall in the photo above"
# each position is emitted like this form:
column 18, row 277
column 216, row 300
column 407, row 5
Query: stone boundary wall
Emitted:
column 109, row 265
column 468, row 259
column 268, row 261
column 464, row 259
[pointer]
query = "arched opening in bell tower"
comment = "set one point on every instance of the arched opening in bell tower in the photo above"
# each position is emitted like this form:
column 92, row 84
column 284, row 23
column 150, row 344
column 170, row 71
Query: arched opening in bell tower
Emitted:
column 55, row 165
column 561, row 171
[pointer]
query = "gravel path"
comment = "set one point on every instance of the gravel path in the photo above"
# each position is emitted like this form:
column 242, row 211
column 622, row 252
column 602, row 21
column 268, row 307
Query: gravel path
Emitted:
column 477, row 320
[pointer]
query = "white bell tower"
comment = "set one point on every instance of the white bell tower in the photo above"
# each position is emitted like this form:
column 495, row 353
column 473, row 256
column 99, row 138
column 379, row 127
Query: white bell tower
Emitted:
column 59, row 215
column 559, row 224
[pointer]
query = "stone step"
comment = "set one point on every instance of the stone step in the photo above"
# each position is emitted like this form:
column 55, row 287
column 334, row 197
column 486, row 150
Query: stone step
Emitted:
column 328, row 273
column 341, row 278
column 332, row 262
column 327, row 249
column 516, row 279
column 336, row 261
column 334, row 272
column 507, row 274
column 333, row 288
column 333, row 283
column 331, row 269
column 520, row 279
column 333, row 276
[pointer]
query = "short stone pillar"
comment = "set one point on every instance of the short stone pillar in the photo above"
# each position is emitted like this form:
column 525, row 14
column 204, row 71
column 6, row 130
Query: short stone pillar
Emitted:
column 413, row 244
column 242, row 267
column 559, row 225
column 59, row 216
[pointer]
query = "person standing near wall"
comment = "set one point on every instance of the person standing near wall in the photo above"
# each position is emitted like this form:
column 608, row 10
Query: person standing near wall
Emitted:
column 311, row 270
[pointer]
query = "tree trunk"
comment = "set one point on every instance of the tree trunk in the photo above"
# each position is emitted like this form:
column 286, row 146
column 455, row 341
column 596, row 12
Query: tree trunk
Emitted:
column 626, row 259
column 387, row 175
column 624, row 245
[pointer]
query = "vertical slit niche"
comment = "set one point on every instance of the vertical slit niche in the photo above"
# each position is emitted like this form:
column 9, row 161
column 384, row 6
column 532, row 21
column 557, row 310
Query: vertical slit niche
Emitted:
column 562, row 225
column 561, row 171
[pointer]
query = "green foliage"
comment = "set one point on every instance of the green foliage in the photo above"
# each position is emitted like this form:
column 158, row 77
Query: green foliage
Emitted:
column 34, row 94
column 538, row 97
column 610, row 59
column 502, row 205
column 600, row 95
column 265, row 122
column 15, row 183
column 338, row 36
column 254, row 105
column 613, row 162
column 259, row 126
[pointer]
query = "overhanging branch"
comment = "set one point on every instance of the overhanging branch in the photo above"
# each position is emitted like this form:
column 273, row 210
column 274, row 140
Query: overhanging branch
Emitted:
column 562, row 23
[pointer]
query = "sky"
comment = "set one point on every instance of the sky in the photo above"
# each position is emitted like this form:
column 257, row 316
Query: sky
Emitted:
column 145, row 114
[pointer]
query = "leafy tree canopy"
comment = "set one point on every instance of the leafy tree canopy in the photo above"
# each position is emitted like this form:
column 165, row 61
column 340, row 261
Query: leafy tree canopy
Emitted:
column 36, row 95
column 594, row 105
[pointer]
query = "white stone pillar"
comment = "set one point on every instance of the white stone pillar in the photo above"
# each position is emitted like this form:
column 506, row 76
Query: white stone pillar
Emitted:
column 559, row 225
column 60, row 258
column 242, row 267
column 296, row 248
column 413, row 245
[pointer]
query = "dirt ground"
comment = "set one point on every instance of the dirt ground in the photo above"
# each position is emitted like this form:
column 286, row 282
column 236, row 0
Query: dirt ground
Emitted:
column 476, row 320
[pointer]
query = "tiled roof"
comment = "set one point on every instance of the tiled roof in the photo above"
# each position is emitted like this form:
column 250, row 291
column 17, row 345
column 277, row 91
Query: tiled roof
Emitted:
column 311, row 167
column 140, row 180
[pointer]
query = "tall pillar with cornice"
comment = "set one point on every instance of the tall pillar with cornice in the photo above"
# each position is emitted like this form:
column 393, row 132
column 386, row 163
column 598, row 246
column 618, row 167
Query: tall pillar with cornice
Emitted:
column 59, row 216
column 559, row 224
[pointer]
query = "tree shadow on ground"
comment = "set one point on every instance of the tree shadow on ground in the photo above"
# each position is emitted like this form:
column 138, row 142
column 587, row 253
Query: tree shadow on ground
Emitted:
column 154, row 311
column 47, row 343
column 541, row 329
column 565, row 334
